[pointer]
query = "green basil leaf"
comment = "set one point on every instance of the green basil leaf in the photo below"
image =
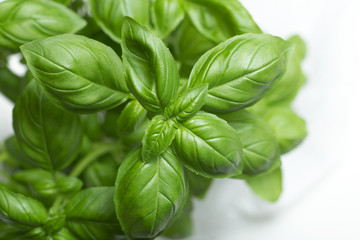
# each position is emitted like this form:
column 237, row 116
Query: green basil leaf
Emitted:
column 92, row 126
column 130, row 118
column 78, row 73
column 208, row 145
column 148, row 195
column 10, row 84
column 158, row 137
column 285, row 91
column 288, row 127
column 21, row 212
column 151, row 71
column 47, row 143
column 240, row 70
column 188, row 104
column 25, row 21
column 101, row 173
column 13, row 150
column 63, row 234
column 261, row 148
column 67, row 185
column 90, row 214
column 269, row 186
column 198, row 184
column 189, row 45
column 109, row 15
column 65, row 2
column 219, row 20
column 166, row 16
column 182, row 228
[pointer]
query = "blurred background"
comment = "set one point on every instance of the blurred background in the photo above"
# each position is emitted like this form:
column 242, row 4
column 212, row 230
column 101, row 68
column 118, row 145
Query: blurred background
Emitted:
column 321, row 198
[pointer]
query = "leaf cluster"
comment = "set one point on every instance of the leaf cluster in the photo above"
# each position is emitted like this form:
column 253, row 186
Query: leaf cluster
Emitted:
column 131, row 108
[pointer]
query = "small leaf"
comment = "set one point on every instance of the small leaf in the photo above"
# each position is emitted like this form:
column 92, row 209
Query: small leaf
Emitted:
column 189, row 45
column 148, row 195
column 288, row 127
column 78, row 73
column 188, row 104
column 25, row 21
column 68, row 185
column 130, row 118
column 219, row 20
column 47, row 143
column 21, row 212
column 64, row 234
column 101, row 173
column 151, row 71
column 269, row 186
column 166, row 15
column 240, row 70
column 261, row 148
column 109, row 14
column 208, row 146
column 198, row 184
column 158, row 137
column 285, row 91
column 91, row 214
column 10, row 84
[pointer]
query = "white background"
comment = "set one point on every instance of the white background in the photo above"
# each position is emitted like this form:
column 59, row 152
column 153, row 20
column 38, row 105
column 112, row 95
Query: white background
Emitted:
column 321, row 198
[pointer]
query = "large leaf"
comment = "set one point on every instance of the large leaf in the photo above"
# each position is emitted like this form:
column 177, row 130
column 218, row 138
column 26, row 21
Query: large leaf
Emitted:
column 91, row 214
column 151, row 71
column 166, row 15
column 261, row 148
column 148, row 195
column 219, row 20
column 188, row 104
column 47, row 143
column 24, row 21
column 288, row 127
column 208, row 146
column 240, row 70
column 21, row 212
column 109, row 14
column 80, row 74
column 269, row 186
column 158, row 137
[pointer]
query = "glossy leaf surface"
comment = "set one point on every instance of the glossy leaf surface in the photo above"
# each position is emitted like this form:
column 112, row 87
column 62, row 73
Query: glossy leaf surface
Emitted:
column 130, row 118
column 19, row 211
column 148, row 195
column 269, row 186
column 285, row 91
column 208, row 146
column 261, row 148
column 151, row 71
column 288, row 127
column 158, row 137
column 240, row 70
column 188, row 104
column 79, row 74
column 166, row 15
column 91, row 214
column 219, row 20
column 25, row 21
column 47, row 143
column 110, row 14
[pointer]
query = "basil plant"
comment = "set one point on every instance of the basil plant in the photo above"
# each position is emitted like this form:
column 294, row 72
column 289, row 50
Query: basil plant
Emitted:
column 130, row 108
